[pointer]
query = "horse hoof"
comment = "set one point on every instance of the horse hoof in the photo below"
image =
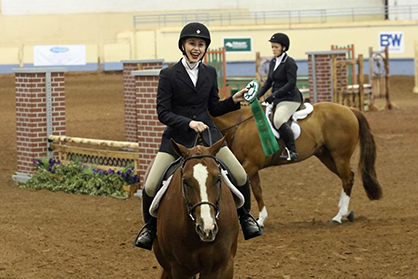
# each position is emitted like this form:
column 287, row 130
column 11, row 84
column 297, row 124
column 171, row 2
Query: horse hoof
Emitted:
column 334, row 222
column 350, row 216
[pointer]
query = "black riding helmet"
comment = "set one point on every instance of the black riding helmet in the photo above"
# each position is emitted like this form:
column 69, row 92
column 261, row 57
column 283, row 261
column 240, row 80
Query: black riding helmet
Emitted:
column 282, row 39
column 194, row 30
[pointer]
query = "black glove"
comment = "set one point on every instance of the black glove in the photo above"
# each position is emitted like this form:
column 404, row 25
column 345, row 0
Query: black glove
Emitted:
column 270, row 99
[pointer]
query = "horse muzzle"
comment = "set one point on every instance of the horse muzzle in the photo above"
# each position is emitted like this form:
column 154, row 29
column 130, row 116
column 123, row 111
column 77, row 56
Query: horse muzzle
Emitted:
column 207, row 235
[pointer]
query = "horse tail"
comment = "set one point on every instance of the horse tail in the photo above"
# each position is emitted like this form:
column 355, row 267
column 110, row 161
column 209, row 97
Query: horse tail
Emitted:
column 368, row 158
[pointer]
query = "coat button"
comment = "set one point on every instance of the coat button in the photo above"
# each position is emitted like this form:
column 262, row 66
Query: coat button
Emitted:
column 194, row 116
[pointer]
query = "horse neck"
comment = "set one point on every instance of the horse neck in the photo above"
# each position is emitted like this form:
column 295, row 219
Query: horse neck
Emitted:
column 226, row 123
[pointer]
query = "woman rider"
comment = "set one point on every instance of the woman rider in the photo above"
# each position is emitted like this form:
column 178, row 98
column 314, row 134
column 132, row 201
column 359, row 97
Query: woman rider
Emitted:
column 187, row 94
column 285, row 97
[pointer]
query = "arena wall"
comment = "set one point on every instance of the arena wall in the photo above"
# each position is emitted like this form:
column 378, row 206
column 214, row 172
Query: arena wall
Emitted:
column 304, row 38
column 162, row 44
column 38, row 7
column 109, row 35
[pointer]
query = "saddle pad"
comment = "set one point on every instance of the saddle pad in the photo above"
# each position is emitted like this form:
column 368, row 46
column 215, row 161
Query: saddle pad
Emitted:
column 153, row 209
column 238, row 197
column 302, row 114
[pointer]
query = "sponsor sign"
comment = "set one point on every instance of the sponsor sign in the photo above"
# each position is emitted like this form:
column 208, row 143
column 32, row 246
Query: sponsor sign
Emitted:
column 393, row 40
column 238, row 44
column 59, row 55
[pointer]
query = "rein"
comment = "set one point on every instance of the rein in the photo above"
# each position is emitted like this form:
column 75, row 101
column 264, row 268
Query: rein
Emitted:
column 191, row 208
column 236, row 125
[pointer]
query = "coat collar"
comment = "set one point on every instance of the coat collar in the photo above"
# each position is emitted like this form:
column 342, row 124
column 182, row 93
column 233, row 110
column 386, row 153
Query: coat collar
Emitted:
column 285, row 56
column 184, row 76
column 273, row 62
column 203, row 75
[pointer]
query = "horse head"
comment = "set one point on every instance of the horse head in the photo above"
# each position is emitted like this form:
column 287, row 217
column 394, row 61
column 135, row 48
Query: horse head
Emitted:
column 201, row 186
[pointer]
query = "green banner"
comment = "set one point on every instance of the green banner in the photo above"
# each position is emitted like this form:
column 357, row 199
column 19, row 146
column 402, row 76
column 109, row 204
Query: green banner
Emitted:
column 237, row 44
column 268, row 140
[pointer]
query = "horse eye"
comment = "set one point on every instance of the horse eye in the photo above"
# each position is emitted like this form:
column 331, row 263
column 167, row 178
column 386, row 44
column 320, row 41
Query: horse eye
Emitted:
column 186, row 183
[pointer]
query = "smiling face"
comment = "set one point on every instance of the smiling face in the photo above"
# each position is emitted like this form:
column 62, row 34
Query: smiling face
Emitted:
column 195, row 49
column 277, row 49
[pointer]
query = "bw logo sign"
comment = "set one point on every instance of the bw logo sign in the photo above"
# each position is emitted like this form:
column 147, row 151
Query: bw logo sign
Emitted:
column 393, row 40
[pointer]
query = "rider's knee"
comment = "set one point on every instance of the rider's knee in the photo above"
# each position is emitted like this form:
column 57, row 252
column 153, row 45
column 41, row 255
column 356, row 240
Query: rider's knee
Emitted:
column 150, row 186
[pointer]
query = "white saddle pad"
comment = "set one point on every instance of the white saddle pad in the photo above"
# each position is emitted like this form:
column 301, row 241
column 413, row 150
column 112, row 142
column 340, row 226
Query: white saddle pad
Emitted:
column 238, row 197
column 301, row 114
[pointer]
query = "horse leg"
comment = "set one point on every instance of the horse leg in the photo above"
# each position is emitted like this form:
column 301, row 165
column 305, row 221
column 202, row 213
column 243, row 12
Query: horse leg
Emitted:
column 258, row 195
column 225, row 271
column 343, row 212
column 166, row 275
column 180, row 273
column 341, row 167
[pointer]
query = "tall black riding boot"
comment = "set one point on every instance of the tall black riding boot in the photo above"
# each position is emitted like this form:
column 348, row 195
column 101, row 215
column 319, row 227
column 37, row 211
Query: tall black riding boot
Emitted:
column 147, row 234
column 249, row 226
column 286, row 134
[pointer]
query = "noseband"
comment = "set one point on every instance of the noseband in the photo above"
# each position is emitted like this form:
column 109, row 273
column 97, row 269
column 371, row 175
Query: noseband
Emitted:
column 191, row 208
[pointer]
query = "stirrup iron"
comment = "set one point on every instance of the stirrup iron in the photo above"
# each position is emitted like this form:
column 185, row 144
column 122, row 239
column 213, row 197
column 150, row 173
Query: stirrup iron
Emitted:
column 287, row 156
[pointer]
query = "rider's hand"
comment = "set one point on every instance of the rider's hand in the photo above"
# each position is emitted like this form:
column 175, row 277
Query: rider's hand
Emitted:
column 239, row 96
column 270, row 99
column 198, row 126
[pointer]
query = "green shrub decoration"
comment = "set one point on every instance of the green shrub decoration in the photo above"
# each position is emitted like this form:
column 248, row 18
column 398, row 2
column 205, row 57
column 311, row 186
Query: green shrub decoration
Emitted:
column 76, row 178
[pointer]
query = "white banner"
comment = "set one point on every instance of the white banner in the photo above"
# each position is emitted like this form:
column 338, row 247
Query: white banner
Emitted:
column 394, row 40
column 58, row 55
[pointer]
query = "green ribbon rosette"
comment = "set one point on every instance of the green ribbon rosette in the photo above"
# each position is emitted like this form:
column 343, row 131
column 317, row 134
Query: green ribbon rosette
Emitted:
column 268, row 141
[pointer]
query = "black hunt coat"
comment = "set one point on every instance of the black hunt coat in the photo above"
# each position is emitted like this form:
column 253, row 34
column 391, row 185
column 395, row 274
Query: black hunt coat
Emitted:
column 283, row 81
column 179, row 102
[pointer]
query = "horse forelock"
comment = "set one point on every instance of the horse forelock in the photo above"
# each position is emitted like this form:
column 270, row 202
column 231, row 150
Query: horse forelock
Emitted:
column 199, row 150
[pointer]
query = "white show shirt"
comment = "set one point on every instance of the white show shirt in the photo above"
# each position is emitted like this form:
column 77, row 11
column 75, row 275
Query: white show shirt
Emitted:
column 278, row 61
column 192, row 69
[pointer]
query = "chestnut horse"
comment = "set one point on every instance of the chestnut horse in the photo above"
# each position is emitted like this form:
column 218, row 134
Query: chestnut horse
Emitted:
column 197, row 219
column 331, row 133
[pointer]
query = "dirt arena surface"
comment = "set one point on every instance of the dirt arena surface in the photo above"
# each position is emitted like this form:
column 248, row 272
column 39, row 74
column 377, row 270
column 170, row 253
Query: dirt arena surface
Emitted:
column 57, row 235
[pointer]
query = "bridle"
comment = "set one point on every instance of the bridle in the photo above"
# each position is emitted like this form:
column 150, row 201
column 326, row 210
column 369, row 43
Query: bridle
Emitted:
column 191, row 207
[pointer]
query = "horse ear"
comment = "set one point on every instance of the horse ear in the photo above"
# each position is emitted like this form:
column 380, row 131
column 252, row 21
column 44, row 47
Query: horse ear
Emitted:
column 216, row 146
column 181, row 150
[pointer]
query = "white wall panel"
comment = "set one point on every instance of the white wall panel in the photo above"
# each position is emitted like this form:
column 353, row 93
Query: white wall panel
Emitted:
column 24, row 7
column 402, row 10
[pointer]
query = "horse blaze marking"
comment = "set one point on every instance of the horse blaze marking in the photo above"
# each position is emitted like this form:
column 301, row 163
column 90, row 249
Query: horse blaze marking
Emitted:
column 200, row 173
